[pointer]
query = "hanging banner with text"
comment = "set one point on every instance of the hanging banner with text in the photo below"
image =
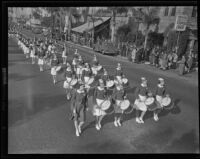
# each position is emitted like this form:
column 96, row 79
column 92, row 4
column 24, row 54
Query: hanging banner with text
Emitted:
column 181, row 22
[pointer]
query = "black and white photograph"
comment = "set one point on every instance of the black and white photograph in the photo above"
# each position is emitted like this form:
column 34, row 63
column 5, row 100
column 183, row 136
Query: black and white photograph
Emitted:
column 103, row 79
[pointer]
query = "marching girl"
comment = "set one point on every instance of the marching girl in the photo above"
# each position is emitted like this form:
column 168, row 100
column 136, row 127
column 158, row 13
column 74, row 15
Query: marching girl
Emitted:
column 41, row 55
column 64, row 54
column 119, row 94
column 95, row 64
column 87, row 73
column 79, row 68
column 76, row 54
column 160, row 93
column 69, row 76
column 142, row 92
column 54, row 62
column 78, row 107
column 33, row 53
column 100, row 95
column 119, row 73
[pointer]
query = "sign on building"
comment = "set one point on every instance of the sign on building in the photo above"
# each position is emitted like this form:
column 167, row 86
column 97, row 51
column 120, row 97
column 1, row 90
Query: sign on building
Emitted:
column 181, row 22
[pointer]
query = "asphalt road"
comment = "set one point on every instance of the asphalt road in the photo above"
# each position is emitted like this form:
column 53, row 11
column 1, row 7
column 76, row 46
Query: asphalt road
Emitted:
column 38, row 113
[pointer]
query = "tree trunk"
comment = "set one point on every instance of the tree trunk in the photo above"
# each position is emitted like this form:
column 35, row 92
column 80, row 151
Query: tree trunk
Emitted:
column 146, row 37
column 93, row 34
column 113, row 29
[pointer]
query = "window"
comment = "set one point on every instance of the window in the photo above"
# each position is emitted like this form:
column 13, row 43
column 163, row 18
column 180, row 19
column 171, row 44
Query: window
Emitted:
column 173, row 11
column 166, row 11
column 194, row 11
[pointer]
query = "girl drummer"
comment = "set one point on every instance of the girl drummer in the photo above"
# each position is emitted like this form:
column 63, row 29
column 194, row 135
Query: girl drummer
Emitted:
column 64, row 54
column 79, row 68
column 86, row 73
column 142, row 93
column 69, row 76
column 41, row 55
column 54, row 62
column 100, row 95
column 33, row 53
column 119, row 73
column 160, row 93
column 119, row 94
column 78, row 106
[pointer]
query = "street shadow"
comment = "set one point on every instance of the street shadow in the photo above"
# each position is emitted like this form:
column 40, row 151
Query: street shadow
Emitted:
column 175, row 110
column 89, row 125
column 17, row 77
column 187, row 143
column 26, row 108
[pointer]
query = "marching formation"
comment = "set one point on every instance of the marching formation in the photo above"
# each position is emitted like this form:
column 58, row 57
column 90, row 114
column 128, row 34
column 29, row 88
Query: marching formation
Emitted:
column 87, row 83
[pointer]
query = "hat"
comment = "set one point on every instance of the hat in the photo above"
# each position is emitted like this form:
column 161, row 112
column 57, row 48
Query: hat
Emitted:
column 143, row 79
column 101, row 82
column 161, row 79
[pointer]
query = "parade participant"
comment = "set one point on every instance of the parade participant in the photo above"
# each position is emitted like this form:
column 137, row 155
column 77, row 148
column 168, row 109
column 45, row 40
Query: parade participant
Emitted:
column 78, row 107
column 105, row 76
column 100, row 96
column 119, row 73
column 70, row 80
column 76, row 54
column 182, row 65
column 41, row 55
column 64, row 54
column 141, row 95
column 79, row 68
column 160, row 92
column 86, row 73
column 33, row 53
column 54, row 63
column 119, row 94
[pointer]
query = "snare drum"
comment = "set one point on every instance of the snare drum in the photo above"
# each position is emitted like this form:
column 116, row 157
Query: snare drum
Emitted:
column 125, row 80
column 90, row 81
column 167, row 103
column 109, row 83
column 140, row 105
column 58, row 68
column 150, row 103
column 105, row 105
column 74, row 82
column 99, row 68
column 124, row 104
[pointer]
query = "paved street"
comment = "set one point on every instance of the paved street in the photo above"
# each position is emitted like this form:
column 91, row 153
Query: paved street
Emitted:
column 38, row 113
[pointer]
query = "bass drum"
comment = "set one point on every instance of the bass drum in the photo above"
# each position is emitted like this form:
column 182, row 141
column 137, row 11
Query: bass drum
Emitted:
column 167, row 103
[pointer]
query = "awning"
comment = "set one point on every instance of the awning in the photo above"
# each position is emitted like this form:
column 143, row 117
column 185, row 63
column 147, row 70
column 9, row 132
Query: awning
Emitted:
column 89, row 25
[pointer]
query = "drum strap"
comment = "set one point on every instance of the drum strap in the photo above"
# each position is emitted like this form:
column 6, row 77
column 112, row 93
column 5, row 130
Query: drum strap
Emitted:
column 129, row 111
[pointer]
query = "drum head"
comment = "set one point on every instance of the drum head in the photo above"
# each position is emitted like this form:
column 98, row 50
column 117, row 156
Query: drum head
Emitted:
column 105, row 105
column 166, row 101
column 90, row 81
column 65, row 85
column 125, row 80
column 125, row 104
column 149, row 101
column 109, row 83
column 140, row 105
column 99, row 68
column 58, row 68
column 74, row 81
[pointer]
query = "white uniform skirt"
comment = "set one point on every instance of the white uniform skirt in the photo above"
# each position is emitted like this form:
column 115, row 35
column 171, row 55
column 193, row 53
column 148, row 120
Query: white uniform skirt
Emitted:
column 40, row 61
column 159, row 99
column 53, row 71
column 32, row 54
column 63, row 54
column 140, row 104
column 97, row 111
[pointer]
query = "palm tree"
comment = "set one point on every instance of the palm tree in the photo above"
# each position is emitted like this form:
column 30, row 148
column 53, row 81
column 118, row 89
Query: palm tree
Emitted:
column 149, row 16
column 114, row 12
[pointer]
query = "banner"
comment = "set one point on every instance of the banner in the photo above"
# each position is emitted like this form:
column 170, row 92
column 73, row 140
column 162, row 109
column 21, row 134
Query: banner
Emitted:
column 181, row 22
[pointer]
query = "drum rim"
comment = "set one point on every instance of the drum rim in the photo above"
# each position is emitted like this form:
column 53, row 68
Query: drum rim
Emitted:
column 151, row 98
column 102, row 107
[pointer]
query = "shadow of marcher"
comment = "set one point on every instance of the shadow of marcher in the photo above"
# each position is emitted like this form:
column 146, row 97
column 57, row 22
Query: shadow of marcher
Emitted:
column 174, row 110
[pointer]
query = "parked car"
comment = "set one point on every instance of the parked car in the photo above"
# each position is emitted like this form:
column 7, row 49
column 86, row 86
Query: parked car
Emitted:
column 107, row 48
column 37, row 30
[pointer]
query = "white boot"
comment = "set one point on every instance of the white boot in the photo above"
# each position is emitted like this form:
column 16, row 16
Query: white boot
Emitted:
column 115, row 123
column 156, row 117
column 119, row 123
column 97, row 127
column 77, row 133
column 138, row 120
column 141, row 120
